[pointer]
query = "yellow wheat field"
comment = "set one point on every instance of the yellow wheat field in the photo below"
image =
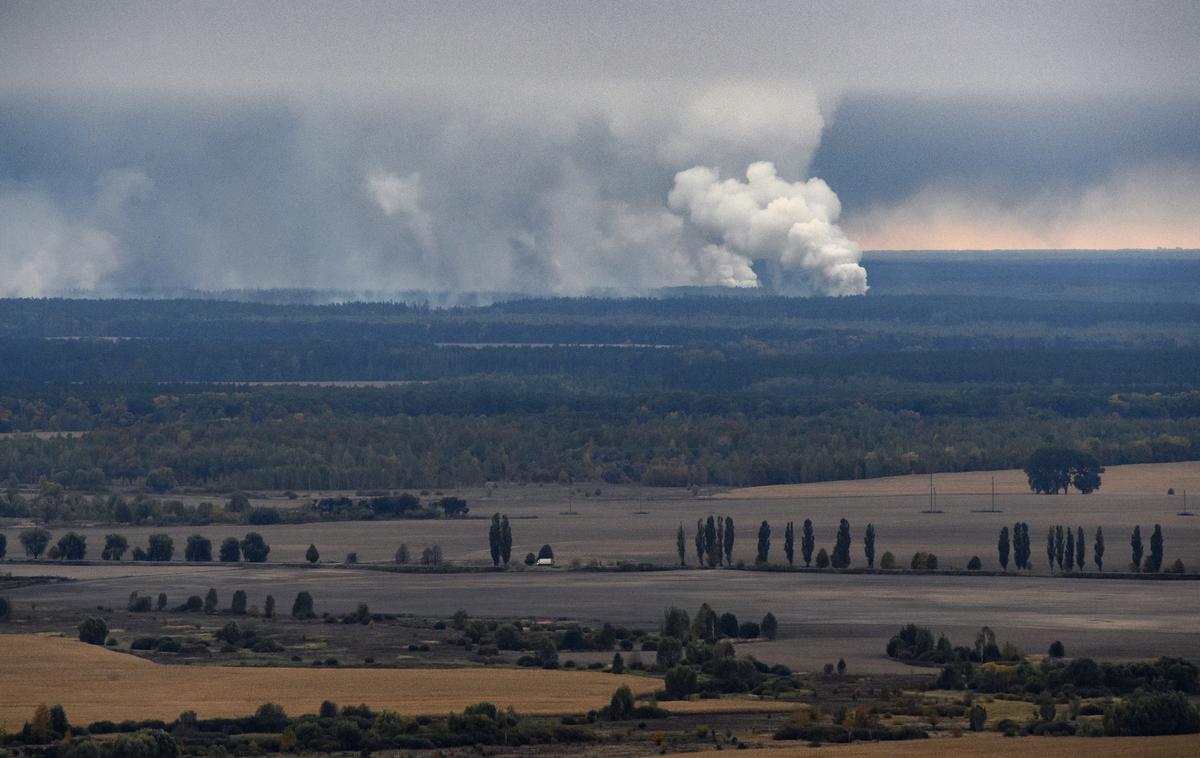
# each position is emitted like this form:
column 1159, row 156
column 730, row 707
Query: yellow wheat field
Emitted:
column 93, row 683
column 990, row 745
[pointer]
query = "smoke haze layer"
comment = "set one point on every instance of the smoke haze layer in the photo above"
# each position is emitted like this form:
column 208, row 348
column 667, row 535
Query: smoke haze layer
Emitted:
column 446, row 193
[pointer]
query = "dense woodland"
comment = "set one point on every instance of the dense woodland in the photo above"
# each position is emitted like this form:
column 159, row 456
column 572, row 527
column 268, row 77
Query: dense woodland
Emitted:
column 680, row 390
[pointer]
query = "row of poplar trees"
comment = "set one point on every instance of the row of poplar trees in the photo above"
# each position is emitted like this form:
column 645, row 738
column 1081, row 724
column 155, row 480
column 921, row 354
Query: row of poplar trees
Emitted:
column 1067, row 548
column 715, row 537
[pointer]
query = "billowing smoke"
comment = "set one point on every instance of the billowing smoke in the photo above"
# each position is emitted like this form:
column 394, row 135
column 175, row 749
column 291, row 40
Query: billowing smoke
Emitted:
column 789, row 225
column 47, row 249
column 446, row 192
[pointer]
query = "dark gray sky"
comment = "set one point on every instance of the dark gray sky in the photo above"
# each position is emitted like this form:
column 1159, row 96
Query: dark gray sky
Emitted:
column 534, row 146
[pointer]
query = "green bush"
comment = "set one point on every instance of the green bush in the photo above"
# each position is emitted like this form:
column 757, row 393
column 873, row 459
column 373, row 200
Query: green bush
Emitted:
column 93, row 630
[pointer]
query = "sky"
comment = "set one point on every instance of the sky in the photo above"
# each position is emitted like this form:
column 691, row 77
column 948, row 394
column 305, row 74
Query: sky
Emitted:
column 570, row 147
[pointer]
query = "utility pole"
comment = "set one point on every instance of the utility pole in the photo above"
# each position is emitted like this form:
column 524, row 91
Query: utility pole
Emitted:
column 993, row 494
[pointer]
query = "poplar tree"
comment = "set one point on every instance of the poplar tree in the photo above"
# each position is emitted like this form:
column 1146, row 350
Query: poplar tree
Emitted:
column 1070, row 550
column 1135, row 548
column 764, row 542
column 808, row 541
column 789, row 542
column 841, row 545
column 1050, row 548
column 1080, row 548
column 1002, row 548
column 720, row 540
column 1098, row 549
column 712, row 550
column 869, row 545
column 728, row 541
column 1059, row 545
column 494, row 539
column 505, row 541
column 1156, row 549
column 681, row 545
column 700, row 542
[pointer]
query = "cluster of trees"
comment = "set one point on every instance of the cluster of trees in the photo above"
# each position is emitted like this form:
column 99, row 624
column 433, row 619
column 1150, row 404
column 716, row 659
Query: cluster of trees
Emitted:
column 696, row 653
column 404, row 505
column 139, row 603
column 352, row 729
column 714, row 542
column 1051, row 470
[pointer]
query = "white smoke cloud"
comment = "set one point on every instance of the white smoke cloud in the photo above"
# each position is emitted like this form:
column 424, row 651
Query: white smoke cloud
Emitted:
column 792, row 225
column 45, row 249
column 402, row 196
column 740, row 124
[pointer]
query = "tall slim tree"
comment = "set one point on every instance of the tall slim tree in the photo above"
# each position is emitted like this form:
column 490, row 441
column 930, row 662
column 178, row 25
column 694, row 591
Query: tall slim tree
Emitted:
column 720, row 540
column 729, row 540
column 711, row 549
column 1017, row 547
column 764, row 542
column 789, row 542
column 1022, row 545
column 1080, row 548
column 1135, row 548
column 1156, row 549
column 1098, row 549
column 841, row 545
column 700, row 542
column 808, row 541
column 1070, row 550
column 869, row 545
column 505, row 540
column 681, row 545
column 1002, row 548
column 1059, row 546
column 494, row 539
column 1050, row 548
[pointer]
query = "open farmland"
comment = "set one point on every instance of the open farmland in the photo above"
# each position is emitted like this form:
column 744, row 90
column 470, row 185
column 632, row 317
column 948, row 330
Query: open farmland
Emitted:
column 1141, row 479
column 821, row 617
column 115, row 686
column 638, row 523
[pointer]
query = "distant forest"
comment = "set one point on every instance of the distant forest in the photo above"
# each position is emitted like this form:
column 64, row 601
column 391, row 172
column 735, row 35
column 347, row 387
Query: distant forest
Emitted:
column 689, row 389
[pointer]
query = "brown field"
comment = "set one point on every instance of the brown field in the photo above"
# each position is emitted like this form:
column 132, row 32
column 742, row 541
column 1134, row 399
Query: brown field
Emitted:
column 991, row 745
column 1132, row 479
column 638, row 524
column 822, row 616
column 93, row 683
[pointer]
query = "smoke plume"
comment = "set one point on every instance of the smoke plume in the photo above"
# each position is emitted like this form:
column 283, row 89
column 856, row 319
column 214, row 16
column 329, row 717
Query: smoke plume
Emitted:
column 443, row 191
column 45, row 249
column 789, row 225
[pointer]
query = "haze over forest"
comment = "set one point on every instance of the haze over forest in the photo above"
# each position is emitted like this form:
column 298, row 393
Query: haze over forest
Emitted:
column 564, row 148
